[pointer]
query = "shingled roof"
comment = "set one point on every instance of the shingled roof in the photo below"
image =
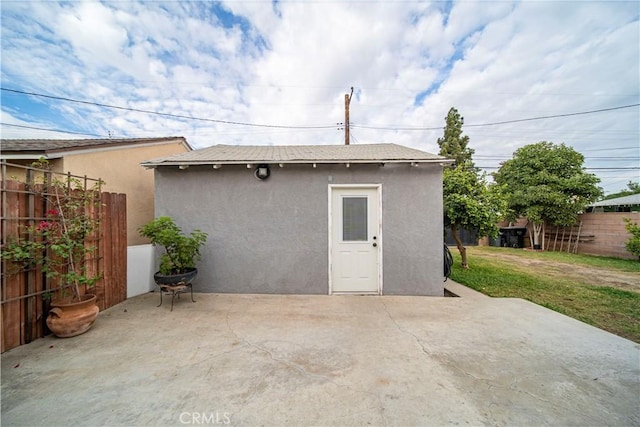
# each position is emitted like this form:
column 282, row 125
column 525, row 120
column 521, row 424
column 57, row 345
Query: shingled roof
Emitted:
column 239, row 154
column 630, row 200
column 49, row 147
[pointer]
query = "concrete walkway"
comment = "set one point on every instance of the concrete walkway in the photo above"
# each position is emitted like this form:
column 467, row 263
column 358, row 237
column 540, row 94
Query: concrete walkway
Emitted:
column 325, row 360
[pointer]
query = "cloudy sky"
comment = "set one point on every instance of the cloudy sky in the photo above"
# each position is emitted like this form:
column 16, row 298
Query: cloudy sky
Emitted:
column 259, row 72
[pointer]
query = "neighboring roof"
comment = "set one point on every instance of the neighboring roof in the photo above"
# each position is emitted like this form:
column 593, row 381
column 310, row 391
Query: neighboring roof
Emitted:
column 58, row 147
column 292, row 154
column 633, row 199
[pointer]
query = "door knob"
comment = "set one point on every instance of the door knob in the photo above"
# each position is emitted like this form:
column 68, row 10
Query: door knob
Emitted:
column 375, row 244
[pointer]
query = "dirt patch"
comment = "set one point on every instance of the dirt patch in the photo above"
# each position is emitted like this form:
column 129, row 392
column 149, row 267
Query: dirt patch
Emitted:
column 596, row 276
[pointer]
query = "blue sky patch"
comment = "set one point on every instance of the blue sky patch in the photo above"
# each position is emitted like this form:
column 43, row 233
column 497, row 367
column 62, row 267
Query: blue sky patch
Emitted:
column 445, row 8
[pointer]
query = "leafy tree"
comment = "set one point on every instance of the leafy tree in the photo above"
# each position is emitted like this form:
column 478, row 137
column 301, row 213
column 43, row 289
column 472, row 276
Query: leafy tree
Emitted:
column 453, row 144
column 469, row 203
column 545, row 182
column 633, row 244
column 467, row 200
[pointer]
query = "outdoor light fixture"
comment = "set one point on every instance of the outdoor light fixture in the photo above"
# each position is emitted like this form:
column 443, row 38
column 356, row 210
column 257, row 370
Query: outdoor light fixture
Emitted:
column 183, row 167
column 262, row 172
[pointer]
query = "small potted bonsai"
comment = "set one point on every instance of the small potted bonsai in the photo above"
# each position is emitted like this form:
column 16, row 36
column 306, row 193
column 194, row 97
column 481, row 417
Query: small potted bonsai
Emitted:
column 181, row 251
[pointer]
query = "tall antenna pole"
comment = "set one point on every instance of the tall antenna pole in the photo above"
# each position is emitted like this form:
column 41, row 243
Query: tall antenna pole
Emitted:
column 347, row 101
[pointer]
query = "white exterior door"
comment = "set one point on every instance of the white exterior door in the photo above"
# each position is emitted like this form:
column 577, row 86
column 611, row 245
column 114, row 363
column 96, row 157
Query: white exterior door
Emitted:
column 355, row 240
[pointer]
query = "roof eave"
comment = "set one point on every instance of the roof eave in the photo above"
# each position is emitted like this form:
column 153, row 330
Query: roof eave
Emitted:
column 152, row 164
column 97, row 145
column 28, row 156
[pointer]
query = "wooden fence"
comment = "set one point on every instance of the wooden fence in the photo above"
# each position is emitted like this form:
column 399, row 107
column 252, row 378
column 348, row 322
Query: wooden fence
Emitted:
column 23, row 305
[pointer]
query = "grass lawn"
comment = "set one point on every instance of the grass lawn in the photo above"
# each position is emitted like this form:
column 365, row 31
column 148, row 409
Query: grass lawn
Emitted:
column 608, row 308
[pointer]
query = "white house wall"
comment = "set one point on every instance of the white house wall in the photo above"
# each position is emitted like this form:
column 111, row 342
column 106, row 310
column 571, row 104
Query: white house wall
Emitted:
column 272, row 236
column 140, row 269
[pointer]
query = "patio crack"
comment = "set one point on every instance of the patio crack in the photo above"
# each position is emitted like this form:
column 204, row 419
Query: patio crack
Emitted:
column 405, row 331
column 513, row 387
column 303, row 371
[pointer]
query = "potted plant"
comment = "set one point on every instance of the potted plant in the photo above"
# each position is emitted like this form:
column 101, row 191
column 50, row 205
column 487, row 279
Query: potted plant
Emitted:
column 59, row 246
column 181, row 251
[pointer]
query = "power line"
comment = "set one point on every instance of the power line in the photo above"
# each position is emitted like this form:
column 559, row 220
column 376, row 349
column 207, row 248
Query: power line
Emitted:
column 613, row 148
column 499, row 123
column 175, row 116
column 477, row 157
column 50, row 130
column 633, row 168
column 555, row 115
column 230, row 122
column 504, row 157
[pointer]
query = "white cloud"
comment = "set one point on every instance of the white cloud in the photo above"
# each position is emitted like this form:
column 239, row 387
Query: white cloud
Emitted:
column 290, row 63
column 94, row 34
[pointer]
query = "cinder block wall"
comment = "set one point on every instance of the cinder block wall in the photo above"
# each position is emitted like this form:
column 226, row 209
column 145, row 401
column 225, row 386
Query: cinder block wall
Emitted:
column 608, row 231
column 605, row 231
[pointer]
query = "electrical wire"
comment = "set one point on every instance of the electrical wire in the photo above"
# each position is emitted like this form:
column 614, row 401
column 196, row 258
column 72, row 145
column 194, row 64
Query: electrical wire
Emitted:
column 633, row 168
column 175, row 116
column 230, row 122
column 555, row 116
column 498, row 123
column 50, row 130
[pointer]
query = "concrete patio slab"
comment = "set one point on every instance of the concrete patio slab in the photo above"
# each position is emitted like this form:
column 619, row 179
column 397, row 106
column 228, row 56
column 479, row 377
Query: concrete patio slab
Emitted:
column 325, row 360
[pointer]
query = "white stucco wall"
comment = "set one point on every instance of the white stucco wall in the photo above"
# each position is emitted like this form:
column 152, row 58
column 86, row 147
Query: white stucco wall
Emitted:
column 140, row 269
column 272, row 236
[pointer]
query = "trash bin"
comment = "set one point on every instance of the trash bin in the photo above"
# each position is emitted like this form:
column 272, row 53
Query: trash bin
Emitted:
column 513, row 237
column 496, row 241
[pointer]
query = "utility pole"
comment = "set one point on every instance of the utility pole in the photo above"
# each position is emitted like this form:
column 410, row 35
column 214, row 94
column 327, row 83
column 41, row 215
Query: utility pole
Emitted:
column 347, row 101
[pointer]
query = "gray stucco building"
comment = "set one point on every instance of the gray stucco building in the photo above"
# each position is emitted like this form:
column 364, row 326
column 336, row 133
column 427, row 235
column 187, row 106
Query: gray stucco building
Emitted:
column 321, row 219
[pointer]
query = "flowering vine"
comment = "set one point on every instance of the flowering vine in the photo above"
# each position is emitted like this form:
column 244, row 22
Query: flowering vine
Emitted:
column 60, row 243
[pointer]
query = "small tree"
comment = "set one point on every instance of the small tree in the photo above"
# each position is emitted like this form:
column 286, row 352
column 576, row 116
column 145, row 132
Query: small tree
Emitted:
column 181, row 251
column 453, row 144
column 468, row 202
column 633, row 244
column 545, row 182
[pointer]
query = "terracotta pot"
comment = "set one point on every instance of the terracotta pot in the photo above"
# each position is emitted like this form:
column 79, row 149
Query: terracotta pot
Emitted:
column 68, row 319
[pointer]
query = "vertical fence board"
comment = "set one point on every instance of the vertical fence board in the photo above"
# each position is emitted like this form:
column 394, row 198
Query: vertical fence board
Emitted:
column 115, row 254
column 11, row 313
column 122, row 243
column 24, row 282
column 34, row 320
column 105, row 236
column 91, row 242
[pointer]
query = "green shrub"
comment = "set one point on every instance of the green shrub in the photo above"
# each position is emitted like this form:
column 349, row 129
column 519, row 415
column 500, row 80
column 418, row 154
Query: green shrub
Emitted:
column 181, row 251
column 633, row 244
